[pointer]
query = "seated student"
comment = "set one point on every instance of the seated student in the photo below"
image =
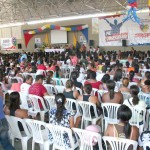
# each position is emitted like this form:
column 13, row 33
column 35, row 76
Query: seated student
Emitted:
column 49, row 77
column 12, row 107
column 92, row 80
column 15, row 85
column 69, row 93
column 111, row 96
column 105, row 78
column 147, row 77
column 89, row 98
column 124, row 87
column 131, row 77
column 123, row 129
column 62, row 117
column 4, row 137
column 146, row 87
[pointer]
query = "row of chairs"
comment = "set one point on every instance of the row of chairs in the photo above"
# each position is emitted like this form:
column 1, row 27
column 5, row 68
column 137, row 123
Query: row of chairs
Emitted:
column 40, row 132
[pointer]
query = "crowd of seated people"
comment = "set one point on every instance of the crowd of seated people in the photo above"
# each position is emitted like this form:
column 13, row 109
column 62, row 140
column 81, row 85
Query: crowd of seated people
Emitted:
column 129, row 72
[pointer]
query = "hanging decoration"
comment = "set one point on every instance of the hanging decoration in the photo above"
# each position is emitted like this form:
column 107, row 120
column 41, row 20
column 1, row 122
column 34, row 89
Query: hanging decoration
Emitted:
column 132, row 12
column 30, row 33
column 56, row 27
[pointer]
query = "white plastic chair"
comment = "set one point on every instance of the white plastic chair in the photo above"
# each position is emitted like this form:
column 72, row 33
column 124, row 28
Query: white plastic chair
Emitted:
column 50, row 89
column 138, row 115
column 118, row 84
column 131, row 83
column 15, row 131
column 110, row 113
column 94, row 90
column 87, row 116
column 87, row 138
column 119, row 143
column 146, row 145
column 24, row 101
column 50, row 101
column 35, row 105
column 70, row 104
column 63, row 81
column 41, row 72
column 60, row 89
column 144, row 97
column 126, row 95
column 100, row 94
column 58, row 138
column 39, row 133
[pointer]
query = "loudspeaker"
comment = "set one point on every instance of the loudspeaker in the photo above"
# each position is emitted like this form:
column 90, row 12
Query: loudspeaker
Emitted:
column 91, row 42
column 124, row 43
column 19, row 46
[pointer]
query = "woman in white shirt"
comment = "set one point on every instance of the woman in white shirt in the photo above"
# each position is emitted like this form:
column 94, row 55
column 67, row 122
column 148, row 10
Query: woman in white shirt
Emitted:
column 134, row 101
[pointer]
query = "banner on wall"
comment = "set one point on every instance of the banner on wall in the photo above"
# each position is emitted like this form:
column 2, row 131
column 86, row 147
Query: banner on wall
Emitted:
column 113, row 30
column 95, row 25
column 8, row 43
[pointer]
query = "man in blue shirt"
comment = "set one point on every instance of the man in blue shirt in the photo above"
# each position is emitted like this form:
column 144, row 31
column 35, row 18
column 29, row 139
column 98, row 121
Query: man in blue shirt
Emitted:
column 4, row 139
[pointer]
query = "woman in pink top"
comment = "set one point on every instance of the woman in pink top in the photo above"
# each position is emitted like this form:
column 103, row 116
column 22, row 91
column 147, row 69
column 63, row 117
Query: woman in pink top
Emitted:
column 15, row 85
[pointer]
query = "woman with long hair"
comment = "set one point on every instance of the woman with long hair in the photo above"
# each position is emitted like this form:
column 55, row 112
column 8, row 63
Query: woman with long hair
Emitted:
column 123, row 129
column 111, row 96
column 105, row 78
column 62, row 117
column 118, row 75
column 12, row 107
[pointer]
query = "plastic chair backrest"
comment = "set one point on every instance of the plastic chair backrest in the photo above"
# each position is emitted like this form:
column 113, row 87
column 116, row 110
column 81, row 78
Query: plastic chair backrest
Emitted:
column 24, row 100
column 138, row 115
column 110, row 112
column 58, row 81
column 41, row 72
column 126, row 95
column 14, row 128
column 119, row 143
column 86, row 109
column 145, row 97
column 69, row 104
column 60, row 89
column 63, row 81
column 50, row 89
column 37, row 128
column 35, row 102
column 58, row 133
column 94, row 90
column 100, row 94
column 131, row 83
column 50, row 101
column 87, row 139
column 146, row 145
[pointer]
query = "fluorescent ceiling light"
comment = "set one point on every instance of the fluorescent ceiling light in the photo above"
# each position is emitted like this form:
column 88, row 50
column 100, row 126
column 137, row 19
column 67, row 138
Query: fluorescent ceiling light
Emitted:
column 11, row 24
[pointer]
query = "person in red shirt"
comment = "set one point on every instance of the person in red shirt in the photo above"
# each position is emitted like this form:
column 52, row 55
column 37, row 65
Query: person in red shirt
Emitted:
column 92, row 80
column 41, row 66
column 37, row 88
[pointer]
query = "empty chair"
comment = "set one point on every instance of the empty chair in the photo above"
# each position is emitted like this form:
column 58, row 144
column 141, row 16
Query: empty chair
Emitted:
column 60, row 135
column 110, row 113
column 50, row 89
column 36, row 107
column 59, row 88
column 119, row 143
column 87, row 114
column 39, row 132
column 50, row 101
column 15, row 131
column 88, row 139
